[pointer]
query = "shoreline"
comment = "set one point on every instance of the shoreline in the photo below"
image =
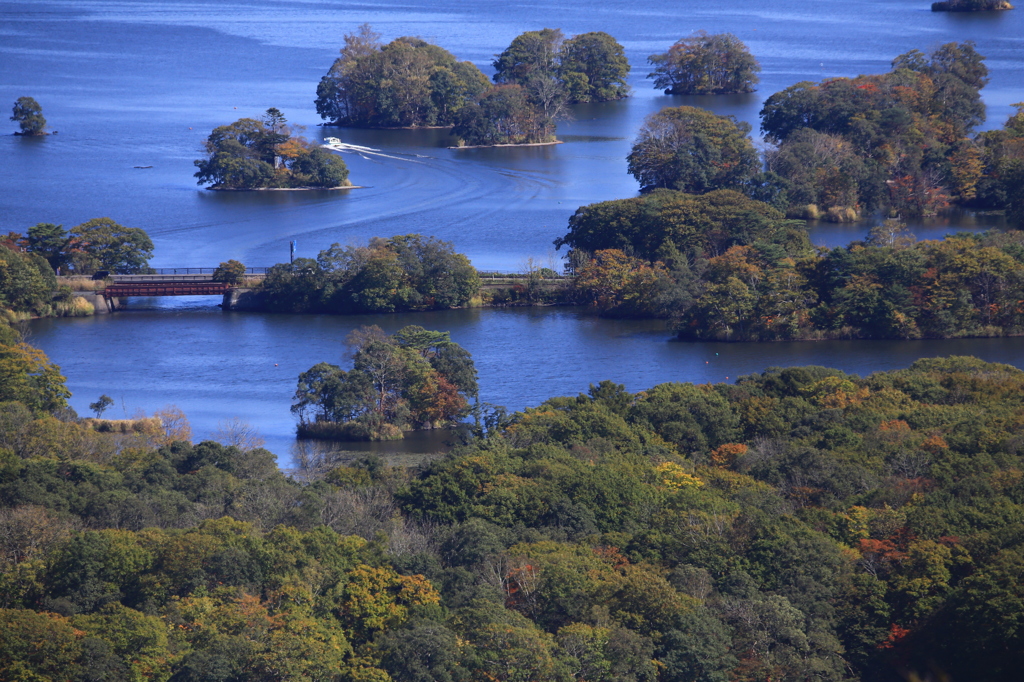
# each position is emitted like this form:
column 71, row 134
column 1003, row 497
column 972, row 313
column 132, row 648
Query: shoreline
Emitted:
column 359, row 127
column 523, row 144
column 282, row 189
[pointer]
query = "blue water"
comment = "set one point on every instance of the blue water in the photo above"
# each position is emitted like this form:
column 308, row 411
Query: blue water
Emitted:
column 141, row 83
column 217, row 366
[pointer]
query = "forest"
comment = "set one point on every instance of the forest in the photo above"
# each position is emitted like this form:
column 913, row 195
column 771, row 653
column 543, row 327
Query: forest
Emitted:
column 410, row 83
column 264, row 153
column 799, row 523
column 720, row 266
column 901, row 144
column 405, row 272
column 412, row 379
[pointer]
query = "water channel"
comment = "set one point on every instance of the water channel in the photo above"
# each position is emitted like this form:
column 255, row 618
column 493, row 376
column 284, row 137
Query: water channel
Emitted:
column 135, row 86
column 216, row 365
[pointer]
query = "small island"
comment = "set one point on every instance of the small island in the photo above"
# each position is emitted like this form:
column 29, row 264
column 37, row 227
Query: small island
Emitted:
column 536, row 77
column 971, row 6
column 263, row 154
column 29, row 116
column 413, row 379
column 705, row 64
column 407, row 83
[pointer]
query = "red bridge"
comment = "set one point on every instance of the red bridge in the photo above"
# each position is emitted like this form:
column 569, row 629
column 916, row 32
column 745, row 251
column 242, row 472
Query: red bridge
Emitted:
column 173, row 282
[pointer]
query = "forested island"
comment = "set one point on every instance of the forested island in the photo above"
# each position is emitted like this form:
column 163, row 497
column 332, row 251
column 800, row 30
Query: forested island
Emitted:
column 263, row 153
column 970, row 6
column 712, row 244
column 797, row 523
column 29, row 116
column 705, row 64
column 721, row 266
column 900, row 143
column 405, row 272
column 411, row 83
column 413, row 379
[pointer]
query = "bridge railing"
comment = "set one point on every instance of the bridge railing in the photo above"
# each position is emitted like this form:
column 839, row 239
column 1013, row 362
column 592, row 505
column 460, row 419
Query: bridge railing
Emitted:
column 199, row 271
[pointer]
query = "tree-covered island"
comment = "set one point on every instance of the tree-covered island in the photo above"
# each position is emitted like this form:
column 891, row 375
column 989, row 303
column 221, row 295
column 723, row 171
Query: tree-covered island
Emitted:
column 29, row 116
column 413, row 379
column 537, row 77
column 705, row 64
column 899, row 144
column 264, row 154
column 411, row 83
column 407, row 83
column 970, row 6
column 405, row 272
column 590, row 67
column 707, row 244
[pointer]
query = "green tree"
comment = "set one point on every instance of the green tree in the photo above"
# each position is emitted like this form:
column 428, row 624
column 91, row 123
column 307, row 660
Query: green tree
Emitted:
column 406, row 83
column 320, row 168
column 29, row 115
column 236, row 156
column 678, row 228
column 101, row 405
column 593, row 68
column 49, row 241
column 692, row 150
column 502, row 115
column 533, row 54
column 231, row 271
column 27, row 283
column 705, row 64
column 102, row 244
column 336, row 92
column 412, row 379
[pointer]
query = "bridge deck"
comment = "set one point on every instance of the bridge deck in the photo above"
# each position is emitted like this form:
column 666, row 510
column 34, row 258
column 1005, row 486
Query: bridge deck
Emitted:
column 166, row 288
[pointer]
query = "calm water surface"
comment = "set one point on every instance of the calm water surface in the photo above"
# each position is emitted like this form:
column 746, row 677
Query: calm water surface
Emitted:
column 217, row 365
column 132, row 83
column 142, row 82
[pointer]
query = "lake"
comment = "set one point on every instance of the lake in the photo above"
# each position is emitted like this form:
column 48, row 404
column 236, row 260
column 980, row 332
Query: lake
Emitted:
column 143, row 82
column 133, row 88
column 219, row 365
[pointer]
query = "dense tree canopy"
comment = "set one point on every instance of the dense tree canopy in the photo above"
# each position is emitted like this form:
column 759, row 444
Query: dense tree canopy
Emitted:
column 669, row 221
column 413, row 379
column 28, row 378
column 705, row 64
column 252, row 154
column 898, row 140
column 503, row 115
column 593, row 68
column 590, row 67
column 531, row 55
column 102, row 244
column 29, row 116
column 1001, row 185
column 406, row 83
column 26, row 281
column 799, row 523
column 692, row 150
column 406, row 272
column 97, row 244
